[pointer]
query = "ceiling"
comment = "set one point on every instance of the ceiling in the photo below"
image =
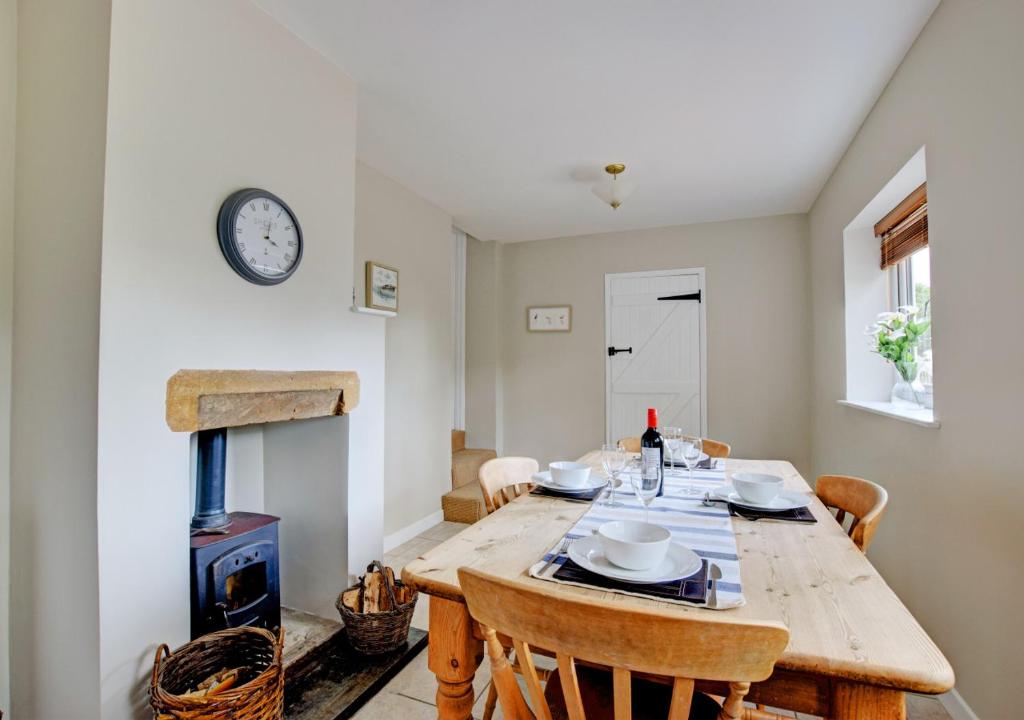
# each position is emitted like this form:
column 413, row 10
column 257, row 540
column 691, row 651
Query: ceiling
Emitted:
column 504, row 113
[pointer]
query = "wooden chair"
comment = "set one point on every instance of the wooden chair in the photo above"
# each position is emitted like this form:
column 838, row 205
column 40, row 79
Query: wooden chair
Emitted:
column 863, row 500
column 630, row 444
column 504, row 479
column 715, row 449
column 622, row 637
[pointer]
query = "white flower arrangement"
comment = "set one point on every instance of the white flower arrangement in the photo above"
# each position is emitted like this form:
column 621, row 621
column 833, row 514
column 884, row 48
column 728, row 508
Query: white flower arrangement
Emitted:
column 895, row 336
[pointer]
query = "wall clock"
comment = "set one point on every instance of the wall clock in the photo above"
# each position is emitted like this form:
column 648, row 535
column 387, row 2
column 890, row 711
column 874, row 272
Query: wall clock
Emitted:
column 259, row 236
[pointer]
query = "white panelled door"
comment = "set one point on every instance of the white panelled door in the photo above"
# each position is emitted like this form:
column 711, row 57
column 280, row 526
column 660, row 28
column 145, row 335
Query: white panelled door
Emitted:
column 656, row 351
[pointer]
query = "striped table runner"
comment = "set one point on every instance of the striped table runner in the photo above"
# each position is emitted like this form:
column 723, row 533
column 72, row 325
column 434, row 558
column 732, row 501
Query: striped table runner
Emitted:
column 705, row 530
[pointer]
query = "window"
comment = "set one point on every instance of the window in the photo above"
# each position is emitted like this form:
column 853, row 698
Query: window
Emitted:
column 886, row 266
column 910, row 281
column 904, row 253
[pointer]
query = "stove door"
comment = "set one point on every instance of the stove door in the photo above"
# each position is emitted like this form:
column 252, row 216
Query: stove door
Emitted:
column 244, row 584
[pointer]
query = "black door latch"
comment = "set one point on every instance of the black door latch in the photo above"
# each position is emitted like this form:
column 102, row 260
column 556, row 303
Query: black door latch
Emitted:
column 612, row 352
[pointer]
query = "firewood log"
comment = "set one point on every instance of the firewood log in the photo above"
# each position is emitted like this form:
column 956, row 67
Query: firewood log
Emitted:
column 385, row 600
column 351, row 600
column 371, row 596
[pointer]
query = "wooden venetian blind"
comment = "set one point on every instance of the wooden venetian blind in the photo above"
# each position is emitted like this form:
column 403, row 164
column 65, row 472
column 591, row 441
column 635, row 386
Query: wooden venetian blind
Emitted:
column 904, row 230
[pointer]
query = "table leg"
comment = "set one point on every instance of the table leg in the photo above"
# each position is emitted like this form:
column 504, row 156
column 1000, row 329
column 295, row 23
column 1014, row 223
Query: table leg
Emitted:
column 854, row 701
column 453, row 655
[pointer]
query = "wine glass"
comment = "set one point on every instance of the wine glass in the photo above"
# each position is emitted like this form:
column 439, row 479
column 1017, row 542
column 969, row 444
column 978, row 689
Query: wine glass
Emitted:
column 613, row 459
column 646, row 489
column 690, row 450
column 670, row 436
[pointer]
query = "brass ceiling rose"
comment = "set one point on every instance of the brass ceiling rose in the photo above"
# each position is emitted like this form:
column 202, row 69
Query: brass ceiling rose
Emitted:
column 614, row 168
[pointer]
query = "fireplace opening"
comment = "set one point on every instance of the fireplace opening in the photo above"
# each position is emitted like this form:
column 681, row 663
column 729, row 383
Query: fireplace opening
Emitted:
column 234, row 568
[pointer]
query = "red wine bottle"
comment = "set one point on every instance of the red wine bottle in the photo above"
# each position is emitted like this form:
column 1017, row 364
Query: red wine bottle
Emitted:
column 652, row 452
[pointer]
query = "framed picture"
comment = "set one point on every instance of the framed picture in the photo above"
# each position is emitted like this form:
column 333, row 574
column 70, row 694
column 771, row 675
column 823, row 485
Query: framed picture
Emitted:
column 549, row 318
column 381, row 286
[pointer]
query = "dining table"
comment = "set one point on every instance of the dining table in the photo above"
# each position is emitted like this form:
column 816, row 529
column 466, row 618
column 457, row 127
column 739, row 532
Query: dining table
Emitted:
column 854, row 648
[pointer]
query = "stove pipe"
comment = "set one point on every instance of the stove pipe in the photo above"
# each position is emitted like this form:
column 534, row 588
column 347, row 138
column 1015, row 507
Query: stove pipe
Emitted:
column 211, row 447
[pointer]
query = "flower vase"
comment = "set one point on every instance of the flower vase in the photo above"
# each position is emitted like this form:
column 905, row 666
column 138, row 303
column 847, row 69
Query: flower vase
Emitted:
column 908, row 393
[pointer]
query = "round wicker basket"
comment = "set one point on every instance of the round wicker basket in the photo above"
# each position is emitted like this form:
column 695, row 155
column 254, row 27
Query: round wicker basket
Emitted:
column 258, row 694
column 379, row 632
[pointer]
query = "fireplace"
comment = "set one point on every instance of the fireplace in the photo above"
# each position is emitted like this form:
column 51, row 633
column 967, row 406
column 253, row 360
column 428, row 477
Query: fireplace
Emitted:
column 234, row 559
column 287, row 434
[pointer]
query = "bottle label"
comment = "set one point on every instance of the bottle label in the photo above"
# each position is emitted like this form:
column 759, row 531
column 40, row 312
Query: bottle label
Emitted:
column 650, row 462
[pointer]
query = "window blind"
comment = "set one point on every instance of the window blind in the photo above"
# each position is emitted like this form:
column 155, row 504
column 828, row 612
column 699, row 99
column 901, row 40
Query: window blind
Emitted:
column 904, row 230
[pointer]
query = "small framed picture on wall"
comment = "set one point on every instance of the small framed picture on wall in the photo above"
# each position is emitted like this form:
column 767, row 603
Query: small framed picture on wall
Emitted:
column 549, row 318
column 381, row 286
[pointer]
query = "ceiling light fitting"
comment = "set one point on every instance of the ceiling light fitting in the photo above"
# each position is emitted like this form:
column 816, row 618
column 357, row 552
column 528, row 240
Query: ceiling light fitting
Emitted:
column 613, row 190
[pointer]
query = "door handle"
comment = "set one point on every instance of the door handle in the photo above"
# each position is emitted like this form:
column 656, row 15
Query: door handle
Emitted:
column 612, row 351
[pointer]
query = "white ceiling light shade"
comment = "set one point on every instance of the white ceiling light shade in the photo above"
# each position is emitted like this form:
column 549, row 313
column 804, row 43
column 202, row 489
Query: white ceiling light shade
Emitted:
column 614, row 189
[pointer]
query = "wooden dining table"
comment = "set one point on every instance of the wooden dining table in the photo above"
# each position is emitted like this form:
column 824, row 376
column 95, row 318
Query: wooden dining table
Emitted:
column 854, row 647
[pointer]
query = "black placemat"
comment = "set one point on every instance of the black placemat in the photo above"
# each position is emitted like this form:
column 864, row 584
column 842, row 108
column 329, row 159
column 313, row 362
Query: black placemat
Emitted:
column 692, row 589
column 803, row 514
column 587, row 496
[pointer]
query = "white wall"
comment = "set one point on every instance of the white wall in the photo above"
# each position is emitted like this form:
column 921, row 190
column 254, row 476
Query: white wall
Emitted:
column 400, row 229
column 8, row 140
column 206, row 98
column 955, row 492
column 61, row 115
column 758, row 322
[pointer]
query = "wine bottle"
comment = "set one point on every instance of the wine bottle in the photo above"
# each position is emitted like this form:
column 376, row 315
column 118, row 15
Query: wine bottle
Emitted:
column 652, row 452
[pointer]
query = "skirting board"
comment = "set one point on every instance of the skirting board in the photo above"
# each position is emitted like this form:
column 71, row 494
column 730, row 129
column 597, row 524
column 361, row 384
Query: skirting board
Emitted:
column 410, row 531
column 956, row 707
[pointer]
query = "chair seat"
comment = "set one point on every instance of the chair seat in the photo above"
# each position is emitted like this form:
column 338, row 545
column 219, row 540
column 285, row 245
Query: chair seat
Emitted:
column 651, row 700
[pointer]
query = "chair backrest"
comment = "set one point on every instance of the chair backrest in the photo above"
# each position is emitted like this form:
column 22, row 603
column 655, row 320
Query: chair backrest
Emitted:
column 863, row 500
column 630, row 444
column 715, row 449
column 504, row 479
column 627, row 639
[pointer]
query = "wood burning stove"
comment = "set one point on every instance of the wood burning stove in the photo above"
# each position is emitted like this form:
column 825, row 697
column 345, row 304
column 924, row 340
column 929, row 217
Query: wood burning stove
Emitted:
column 235, row 576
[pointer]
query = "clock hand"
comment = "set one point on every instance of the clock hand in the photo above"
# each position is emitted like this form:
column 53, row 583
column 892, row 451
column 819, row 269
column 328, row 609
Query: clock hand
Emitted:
column 267, row 236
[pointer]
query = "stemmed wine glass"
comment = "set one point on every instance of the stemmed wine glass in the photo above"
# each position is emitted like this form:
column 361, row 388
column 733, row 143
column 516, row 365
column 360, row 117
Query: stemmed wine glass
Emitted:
column 646, row 489
column 613, row 458
column 670, row 436
column 690, row 450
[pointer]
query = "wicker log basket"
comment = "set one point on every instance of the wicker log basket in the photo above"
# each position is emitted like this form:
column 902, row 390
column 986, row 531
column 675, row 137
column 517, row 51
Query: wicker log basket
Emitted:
column 377, row 623
column 258, row 693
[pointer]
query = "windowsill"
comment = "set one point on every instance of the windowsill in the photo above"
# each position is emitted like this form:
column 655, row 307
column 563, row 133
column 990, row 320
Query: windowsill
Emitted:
column 924, row 417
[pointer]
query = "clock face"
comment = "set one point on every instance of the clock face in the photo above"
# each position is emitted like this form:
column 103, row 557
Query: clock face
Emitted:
column 259, row 236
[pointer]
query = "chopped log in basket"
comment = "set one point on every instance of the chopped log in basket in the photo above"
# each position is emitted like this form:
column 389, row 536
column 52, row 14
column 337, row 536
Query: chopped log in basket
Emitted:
column 233, row 674
column 377, row 611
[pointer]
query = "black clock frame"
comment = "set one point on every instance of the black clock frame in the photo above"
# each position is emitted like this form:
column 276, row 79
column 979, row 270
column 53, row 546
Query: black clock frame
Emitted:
column 226, row 235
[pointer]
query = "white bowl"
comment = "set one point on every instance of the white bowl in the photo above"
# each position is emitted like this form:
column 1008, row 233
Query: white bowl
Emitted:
column 569, row 474
column 757, row 487
column 634, row 545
